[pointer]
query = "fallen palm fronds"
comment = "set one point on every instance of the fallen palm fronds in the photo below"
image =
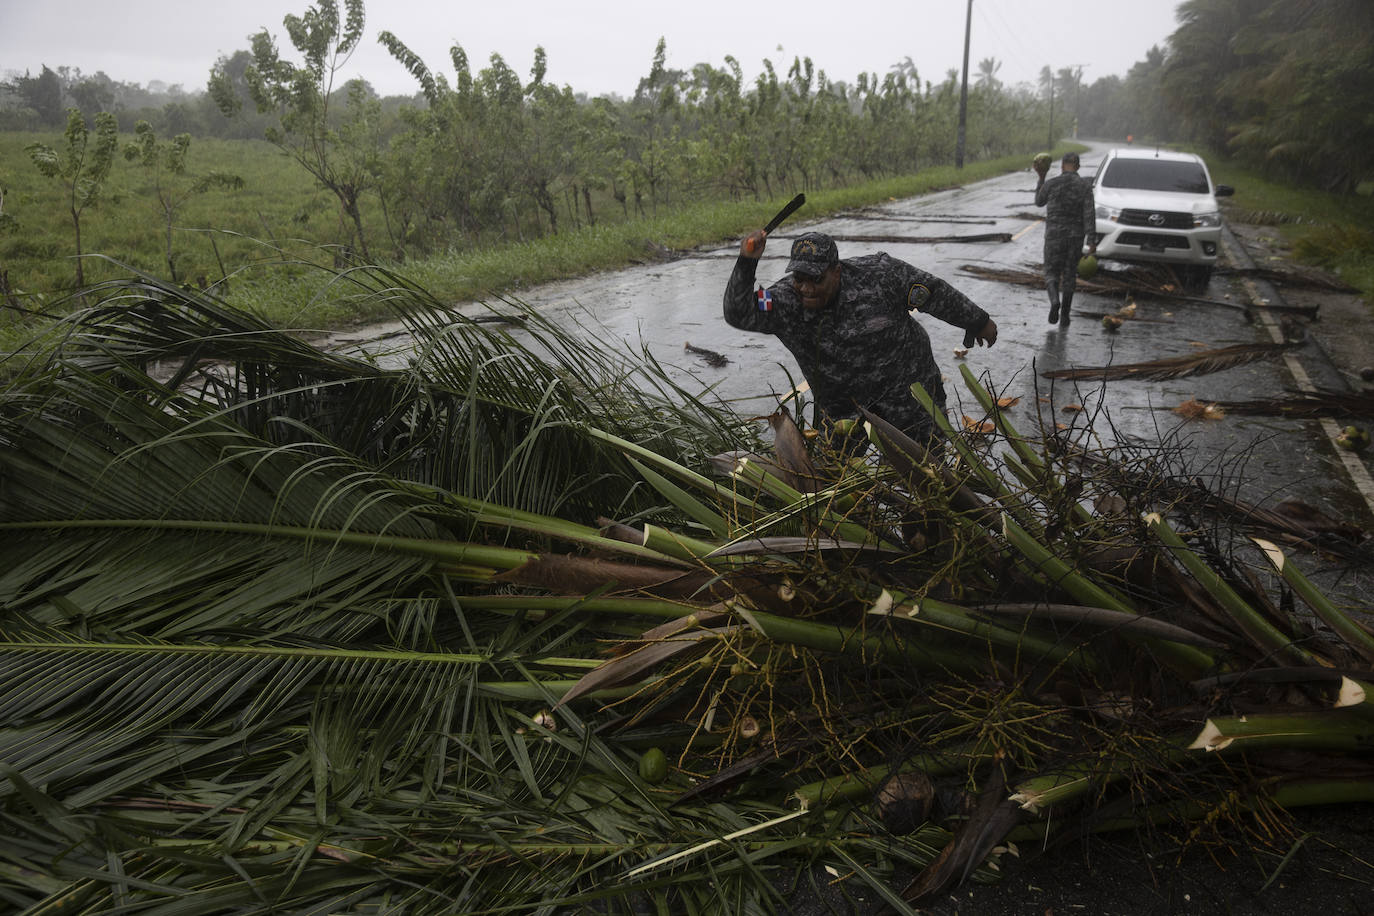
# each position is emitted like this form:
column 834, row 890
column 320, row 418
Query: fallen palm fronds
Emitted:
column 713, row 359
column 1173, row 367
column 1302, row 279
column 299, row 634
column 1156, row 284
column 1104, row 281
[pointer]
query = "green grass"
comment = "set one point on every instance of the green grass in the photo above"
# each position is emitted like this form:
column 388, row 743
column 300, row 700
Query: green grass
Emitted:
column 1331, row 231
column 277, row 205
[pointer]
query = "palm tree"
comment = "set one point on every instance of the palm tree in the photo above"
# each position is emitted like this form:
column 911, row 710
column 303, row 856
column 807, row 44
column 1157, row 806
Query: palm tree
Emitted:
column 522, row 625
column 987, row 74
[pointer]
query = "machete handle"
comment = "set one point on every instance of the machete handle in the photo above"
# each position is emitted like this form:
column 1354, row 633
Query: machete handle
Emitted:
column 782, row 214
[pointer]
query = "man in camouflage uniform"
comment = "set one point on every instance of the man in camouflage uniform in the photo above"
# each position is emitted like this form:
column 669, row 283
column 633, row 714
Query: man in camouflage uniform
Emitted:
column 849, row 325
column 1070, row 223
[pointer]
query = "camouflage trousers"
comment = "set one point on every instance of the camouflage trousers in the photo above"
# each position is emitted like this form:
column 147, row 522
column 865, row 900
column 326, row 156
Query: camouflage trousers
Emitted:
column 1061, row 266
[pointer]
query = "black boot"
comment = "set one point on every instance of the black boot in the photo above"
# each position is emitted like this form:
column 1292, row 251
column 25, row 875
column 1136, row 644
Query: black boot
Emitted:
column 1064, row 309
column 1053, row 287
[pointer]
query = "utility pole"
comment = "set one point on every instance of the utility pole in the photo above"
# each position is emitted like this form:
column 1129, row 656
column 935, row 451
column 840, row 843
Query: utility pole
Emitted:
column 963, row 93
column 1050, row 144
column 1077, row 86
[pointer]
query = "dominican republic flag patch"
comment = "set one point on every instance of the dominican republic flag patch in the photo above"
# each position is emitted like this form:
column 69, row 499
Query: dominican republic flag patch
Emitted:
column 765, row 299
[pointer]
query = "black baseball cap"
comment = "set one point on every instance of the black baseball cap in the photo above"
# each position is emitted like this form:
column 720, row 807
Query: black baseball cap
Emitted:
column 812, row 254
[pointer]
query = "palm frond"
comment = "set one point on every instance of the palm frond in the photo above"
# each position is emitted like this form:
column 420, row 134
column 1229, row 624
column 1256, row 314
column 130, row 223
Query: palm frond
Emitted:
column 286, row 630
column 1307, row 405
column 1202, row 363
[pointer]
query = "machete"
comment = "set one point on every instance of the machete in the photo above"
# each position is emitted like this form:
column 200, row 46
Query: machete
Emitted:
column 785, row 212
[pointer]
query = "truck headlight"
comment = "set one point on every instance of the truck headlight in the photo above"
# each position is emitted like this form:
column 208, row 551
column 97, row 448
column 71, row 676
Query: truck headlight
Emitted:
column 1107, row 213
column 1212, row 218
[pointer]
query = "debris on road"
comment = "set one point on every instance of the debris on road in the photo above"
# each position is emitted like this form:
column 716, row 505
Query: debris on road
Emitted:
column 713, row 359
column 1175, row 366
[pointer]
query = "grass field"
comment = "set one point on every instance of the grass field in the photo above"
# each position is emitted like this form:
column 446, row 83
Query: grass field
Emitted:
column 214, row 231
column 257, row 246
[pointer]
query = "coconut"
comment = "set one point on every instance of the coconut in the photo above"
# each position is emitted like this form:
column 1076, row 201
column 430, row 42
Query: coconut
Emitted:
column 1042, row 161
column 1353, row 439
column 653, row 766
column 1087, row 267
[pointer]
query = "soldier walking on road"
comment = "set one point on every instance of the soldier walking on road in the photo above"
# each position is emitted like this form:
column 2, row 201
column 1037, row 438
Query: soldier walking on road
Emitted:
column 1070, row 224
column 849, row 325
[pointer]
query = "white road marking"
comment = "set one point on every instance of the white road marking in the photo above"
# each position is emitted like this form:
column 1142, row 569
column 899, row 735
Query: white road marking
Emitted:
column 1354, row 466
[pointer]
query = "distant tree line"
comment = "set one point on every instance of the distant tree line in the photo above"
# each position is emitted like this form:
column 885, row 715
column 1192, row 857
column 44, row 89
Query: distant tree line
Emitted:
column 1285, row 86
column 482, row 155
column 486, row 156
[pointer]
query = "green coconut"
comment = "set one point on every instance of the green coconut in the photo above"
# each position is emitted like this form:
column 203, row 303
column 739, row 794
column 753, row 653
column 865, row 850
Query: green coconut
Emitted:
column 653, row 766
column 1042, row 160
column 1353, row 439
column 1087, row 267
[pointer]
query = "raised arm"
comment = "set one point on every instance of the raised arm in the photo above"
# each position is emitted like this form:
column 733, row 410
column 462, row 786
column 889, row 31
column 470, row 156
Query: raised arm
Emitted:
column 741, row 306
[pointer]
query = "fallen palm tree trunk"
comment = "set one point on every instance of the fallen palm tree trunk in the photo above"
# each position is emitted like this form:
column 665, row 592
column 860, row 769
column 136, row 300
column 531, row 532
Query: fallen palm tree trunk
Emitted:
column 924, row 239
column 875, row 215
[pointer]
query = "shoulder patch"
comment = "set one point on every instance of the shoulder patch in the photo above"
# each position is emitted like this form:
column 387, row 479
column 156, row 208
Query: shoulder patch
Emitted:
column 918, row 295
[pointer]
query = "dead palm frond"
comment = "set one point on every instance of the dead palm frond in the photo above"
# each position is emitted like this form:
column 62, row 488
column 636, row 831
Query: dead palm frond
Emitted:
column 1201, row 363
column 1307, row 405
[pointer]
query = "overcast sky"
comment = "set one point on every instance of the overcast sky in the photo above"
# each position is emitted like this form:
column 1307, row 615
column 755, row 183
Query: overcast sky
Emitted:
column 596, row 46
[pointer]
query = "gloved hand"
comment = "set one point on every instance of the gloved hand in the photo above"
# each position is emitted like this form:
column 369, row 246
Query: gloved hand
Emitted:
column 987, row 334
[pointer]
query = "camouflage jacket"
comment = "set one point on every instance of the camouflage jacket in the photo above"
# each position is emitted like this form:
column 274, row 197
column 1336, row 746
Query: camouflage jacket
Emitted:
column 1069, row 213
column 865, row 347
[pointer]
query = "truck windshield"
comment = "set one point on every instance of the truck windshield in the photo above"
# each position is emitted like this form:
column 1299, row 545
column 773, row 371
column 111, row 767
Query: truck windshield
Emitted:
column 1156, row 175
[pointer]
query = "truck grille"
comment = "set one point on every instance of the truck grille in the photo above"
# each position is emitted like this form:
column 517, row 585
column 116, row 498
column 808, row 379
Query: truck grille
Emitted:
column 1171, row 220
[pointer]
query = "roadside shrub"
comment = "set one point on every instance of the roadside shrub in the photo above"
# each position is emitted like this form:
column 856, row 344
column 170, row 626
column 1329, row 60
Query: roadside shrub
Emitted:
column 1333, row 246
